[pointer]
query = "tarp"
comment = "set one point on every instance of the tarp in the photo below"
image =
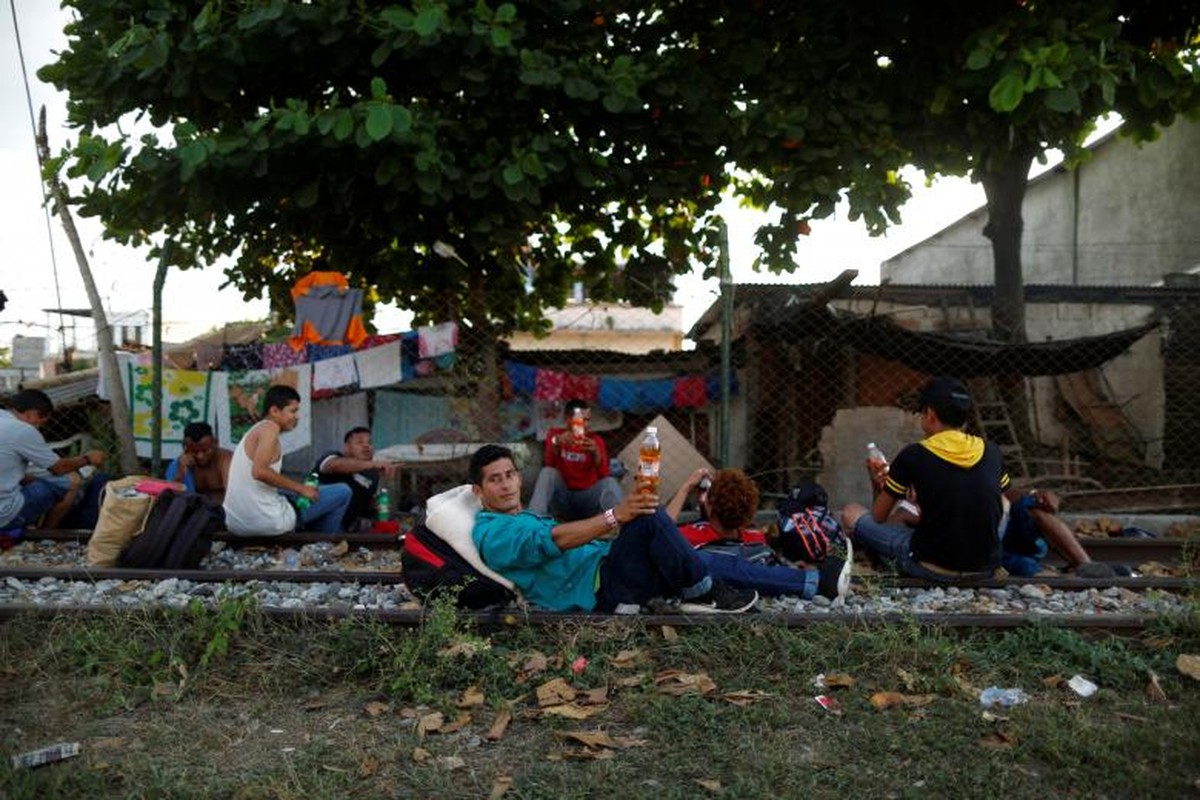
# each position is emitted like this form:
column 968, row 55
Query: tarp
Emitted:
column 944, row 354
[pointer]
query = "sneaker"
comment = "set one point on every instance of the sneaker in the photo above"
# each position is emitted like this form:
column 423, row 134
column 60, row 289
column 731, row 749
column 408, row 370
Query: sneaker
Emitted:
column 834, row 575
column 720, row 599
column 1094, row 569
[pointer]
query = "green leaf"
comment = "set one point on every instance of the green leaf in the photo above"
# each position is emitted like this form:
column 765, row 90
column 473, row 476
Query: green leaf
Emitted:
column 1108, row 89
column 428, row 20
column 398, row 17
column 191, row 155
column 1006, row 94
column 344, row 125
column 1064, row 101
column 507, row 12
column 580, row 89
column 512, row 175
column 378, row 88
column 379, row 121
column 387, row 169
column 501, row 38
column 308, row 194
column 940, row 98
column 302, row 123
column 979, row 58
column 1050, row 79
column 401, row 119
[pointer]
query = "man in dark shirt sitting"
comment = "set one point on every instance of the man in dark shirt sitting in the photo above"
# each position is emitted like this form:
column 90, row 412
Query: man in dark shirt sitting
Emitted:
column 958, row 480
column 357, row 467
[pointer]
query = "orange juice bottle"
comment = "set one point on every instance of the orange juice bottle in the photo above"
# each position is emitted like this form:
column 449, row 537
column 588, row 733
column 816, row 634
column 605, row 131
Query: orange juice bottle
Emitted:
column 578, row 424
column 649, row 458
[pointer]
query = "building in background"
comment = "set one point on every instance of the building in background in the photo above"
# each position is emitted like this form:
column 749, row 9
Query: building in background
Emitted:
column 1127, row 216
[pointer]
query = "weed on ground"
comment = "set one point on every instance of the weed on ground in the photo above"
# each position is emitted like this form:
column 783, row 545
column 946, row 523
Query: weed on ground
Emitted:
column 225, row 703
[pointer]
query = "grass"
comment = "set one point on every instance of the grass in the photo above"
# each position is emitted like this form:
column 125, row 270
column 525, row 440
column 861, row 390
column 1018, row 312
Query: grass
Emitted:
column 226, row 704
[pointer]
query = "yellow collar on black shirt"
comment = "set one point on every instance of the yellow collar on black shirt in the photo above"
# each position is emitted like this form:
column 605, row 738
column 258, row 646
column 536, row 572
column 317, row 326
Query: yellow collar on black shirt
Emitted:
column 955, row 446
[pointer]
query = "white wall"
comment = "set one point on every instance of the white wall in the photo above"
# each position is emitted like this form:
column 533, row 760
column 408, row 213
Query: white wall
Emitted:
column 1135, row 220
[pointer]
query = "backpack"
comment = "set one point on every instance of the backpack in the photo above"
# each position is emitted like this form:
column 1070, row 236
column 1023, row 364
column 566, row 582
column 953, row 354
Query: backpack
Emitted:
column 177, row 534
column 429, row 565
column 808, row 529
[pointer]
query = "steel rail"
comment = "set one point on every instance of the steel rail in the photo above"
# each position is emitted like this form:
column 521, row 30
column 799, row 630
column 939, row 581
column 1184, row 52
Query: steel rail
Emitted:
column 498, row 619
column 1111, row 551
column 393, row 577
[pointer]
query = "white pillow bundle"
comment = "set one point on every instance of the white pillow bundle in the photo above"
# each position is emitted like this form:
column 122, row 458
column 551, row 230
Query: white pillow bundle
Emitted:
column 451, row 515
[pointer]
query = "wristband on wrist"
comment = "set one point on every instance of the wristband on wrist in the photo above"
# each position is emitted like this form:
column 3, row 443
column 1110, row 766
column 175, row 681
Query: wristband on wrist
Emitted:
column 610, row 518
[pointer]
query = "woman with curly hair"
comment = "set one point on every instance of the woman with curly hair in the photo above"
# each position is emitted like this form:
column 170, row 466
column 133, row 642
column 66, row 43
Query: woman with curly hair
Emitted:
column 739, row 554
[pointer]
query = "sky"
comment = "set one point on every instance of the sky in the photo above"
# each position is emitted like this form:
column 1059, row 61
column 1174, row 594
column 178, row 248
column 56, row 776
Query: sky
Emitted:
column 39, row 270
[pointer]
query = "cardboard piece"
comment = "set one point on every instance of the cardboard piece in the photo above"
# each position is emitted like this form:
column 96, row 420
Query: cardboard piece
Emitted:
column 679, row 460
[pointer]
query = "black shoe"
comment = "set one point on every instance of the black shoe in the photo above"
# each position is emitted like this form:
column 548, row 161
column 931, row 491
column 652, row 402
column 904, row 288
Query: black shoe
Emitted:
column 721, row 599
column 834, row 575
column 1094, row 569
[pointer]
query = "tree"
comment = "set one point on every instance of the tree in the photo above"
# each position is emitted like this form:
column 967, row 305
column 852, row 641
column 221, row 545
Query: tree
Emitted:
column 1003, row 89
column 56, row 194
column 347, row 136
column 545, row 142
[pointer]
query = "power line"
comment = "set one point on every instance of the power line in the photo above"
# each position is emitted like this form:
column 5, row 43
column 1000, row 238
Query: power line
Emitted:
column 12, row 5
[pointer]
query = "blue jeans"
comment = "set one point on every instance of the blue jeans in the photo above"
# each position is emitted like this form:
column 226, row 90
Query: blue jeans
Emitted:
column 894, row 542
column 552, row 498
column 40, row 496
column 650, row 558
column 770, row 580
column 325, row 515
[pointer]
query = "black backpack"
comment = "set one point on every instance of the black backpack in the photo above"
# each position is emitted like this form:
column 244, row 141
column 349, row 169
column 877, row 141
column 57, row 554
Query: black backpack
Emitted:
column 178, row 533
column 429, row 565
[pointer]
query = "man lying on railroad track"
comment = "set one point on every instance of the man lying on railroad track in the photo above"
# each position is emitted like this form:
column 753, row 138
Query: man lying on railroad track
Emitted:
column 614, row 562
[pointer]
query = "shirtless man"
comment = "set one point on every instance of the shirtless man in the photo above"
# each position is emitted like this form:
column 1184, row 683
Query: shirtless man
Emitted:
column 202, row 467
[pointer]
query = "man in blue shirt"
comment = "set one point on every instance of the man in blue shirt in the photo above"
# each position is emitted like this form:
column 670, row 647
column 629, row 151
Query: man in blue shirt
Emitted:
column 615, row 561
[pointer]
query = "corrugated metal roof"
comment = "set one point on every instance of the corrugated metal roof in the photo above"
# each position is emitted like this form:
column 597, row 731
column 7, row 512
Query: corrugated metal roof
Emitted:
column 766, row 297
column 69, row 388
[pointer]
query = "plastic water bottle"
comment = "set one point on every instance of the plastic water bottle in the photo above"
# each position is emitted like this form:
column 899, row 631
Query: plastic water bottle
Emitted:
column 1004, row 698
column 383, row 505
column 876, row 460
column 649, row 460
column 578, row 424
column 303, row 502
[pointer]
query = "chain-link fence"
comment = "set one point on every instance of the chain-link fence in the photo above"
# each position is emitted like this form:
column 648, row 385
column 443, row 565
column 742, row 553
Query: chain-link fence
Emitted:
column 1102, row 401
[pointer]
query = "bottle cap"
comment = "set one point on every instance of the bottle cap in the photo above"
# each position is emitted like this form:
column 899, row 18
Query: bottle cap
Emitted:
column 651, row 429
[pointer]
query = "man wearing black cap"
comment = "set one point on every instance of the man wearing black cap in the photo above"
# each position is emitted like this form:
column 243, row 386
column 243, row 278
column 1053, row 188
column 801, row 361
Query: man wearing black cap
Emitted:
column 958, row 479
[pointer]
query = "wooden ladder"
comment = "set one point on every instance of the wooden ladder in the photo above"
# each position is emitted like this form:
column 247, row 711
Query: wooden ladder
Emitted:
column 995, row 424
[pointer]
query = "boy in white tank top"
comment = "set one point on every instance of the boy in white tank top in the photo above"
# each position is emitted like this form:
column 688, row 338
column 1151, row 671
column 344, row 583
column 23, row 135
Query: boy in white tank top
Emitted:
column 257, row 497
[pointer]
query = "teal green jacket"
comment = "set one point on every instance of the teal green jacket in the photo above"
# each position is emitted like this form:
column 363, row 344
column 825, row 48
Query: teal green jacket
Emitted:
column 520, row 547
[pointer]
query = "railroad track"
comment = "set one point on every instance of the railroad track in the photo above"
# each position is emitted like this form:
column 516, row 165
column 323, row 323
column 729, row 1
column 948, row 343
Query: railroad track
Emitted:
column 507, row 618
column 388, row 577
column 1133, row 551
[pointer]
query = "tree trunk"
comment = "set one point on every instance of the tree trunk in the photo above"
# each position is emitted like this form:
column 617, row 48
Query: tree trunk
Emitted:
column 1004, row 184
column 488, row 396
column 117, row 402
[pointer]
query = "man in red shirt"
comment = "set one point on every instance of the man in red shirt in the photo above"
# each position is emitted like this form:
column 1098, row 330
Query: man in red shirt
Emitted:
column 574, row 482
